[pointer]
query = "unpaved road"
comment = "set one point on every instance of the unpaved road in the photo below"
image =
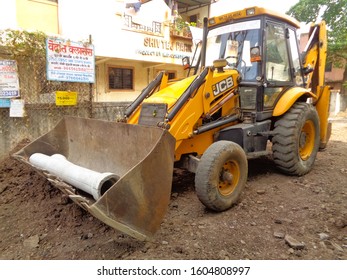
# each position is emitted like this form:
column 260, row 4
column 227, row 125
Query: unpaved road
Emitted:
column 37, row 222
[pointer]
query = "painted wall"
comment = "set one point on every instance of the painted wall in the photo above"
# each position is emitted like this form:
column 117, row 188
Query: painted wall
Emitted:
column 8, row 14
column 143, row 74
column 121, row 32
column 121, row 36
column 125, row 37
column 201, row 12
column 39, row 15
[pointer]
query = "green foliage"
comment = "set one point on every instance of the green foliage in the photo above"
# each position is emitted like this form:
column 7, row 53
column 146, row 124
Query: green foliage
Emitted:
column 334, row 14
column 306, row 10
column 29, row 50
column 21, row 43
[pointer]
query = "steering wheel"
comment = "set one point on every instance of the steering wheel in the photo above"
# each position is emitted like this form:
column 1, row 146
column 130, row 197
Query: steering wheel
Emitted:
column 243, row 65
column 233, row 65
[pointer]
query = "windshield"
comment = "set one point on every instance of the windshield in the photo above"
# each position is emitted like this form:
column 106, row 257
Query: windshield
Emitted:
column 239, row 44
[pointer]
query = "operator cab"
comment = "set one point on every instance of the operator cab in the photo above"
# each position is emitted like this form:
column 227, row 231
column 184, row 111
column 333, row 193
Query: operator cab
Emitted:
column 263, row 47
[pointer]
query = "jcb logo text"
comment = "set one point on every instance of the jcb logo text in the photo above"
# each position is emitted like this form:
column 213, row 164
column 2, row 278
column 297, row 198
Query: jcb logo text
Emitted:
column 222, row 86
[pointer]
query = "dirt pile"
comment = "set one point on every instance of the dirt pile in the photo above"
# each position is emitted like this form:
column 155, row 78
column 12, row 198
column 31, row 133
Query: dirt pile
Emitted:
column 278, row 217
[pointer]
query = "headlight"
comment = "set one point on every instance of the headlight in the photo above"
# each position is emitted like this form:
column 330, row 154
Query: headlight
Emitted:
column 248, row 98
column 250, row 12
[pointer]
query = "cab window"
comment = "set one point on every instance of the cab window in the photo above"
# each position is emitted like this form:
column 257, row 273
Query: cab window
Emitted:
column 293, row 42
column 277, row 68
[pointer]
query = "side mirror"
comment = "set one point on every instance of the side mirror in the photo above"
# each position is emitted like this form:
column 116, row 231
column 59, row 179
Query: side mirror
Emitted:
column 186, row 62
column 255, row 54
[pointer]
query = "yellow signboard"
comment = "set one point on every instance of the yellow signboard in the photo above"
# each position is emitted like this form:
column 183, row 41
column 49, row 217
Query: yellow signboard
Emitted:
column 65, row 98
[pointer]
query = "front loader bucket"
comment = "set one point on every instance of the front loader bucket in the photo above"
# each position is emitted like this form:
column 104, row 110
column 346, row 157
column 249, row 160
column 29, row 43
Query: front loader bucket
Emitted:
column 141, row 157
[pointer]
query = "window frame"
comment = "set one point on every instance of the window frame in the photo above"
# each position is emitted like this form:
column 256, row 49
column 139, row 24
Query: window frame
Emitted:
column 174, row 72
column 329, row 67
column 277, row 82
column 109, row 67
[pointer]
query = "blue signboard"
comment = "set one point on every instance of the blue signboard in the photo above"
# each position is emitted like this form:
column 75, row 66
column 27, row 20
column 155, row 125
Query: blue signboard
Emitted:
column 5, row 103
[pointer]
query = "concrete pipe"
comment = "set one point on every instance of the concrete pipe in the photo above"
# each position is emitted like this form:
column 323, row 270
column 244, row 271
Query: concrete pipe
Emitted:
column 90, row 181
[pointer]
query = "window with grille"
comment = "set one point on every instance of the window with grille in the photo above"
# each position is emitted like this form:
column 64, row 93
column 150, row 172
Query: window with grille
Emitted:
column 120, row 78
column 171, row 74
column 329, row 67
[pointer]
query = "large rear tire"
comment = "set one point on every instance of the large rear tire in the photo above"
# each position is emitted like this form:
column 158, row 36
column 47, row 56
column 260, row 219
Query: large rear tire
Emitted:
column 296, row 139
column 221, row 175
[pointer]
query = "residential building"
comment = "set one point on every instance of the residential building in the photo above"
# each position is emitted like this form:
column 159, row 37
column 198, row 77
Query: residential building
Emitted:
column 133, row 40
column 41, row 15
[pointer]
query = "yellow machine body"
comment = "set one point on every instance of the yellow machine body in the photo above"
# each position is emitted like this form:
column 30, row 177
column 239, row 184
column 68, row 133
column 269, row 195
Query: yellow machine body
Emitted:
column 173, row 122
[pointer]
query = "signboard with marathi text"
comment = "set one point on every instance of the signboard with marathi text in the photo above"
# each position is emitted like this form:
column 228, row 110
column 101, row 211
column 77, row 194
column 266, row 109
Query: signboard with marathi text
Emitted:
column 9, row 83
column 69, row 61
column 65, row 98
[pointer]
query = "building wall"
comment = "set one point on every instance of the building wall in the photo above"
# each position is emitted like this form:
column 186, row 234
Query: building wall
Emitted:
column 119, row 32
column 122, row 37
column 8, row 14
column 143, row 74
column 303, row 41
column 114, row 43
column 201, row 13
column 41, row 15
column 333, row 77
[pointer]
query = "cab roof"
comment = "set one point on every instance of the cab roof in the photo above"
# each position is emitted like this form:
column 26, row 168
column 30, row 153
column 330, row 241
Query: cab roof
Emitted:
column 252, row 12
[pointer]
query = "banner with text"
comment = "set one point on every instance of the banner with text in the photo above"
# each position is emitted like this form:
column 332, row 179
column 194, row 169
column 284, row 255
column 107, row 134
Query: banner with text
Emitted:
column 9, row 83
column 69, row 61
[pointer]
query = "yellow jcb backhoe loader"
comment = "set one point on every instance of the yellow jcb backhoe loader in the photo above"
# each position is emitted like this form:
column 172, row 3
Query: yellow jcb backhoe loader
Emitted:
column 250, row 93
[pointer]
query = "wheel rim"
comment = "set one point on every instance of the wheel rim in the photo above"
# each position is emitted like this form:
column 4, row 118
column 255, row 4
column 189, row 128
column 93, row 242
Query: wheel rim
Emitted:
column 306, row 140
column 229, row 178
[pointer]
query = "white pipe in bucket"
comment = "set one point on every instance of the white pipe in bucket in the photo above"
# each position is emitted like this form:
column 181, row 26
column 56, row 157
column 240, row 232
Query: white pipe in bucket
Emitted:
column 90, row 181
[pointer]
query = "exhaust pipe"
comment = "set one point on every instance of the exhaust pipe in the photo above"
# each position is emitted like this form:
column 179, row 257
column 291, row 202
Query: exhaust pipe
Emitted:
column 92, row 182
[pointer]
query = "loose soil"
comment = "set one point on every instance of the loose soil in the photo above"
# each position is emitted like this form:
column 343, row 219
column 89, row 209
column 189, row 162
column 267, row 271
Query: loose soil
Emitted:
column 278, row 217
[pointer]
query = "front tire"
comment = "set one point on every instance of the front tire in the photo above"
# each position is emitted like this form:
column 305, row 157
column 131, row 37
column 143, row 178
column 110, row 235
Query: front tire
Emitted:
column 221, row 175
column 296, row 139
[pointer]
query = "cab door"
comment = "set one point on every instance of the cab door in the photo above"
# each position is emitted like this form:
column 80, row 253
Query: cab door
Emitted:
column 282, row 68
